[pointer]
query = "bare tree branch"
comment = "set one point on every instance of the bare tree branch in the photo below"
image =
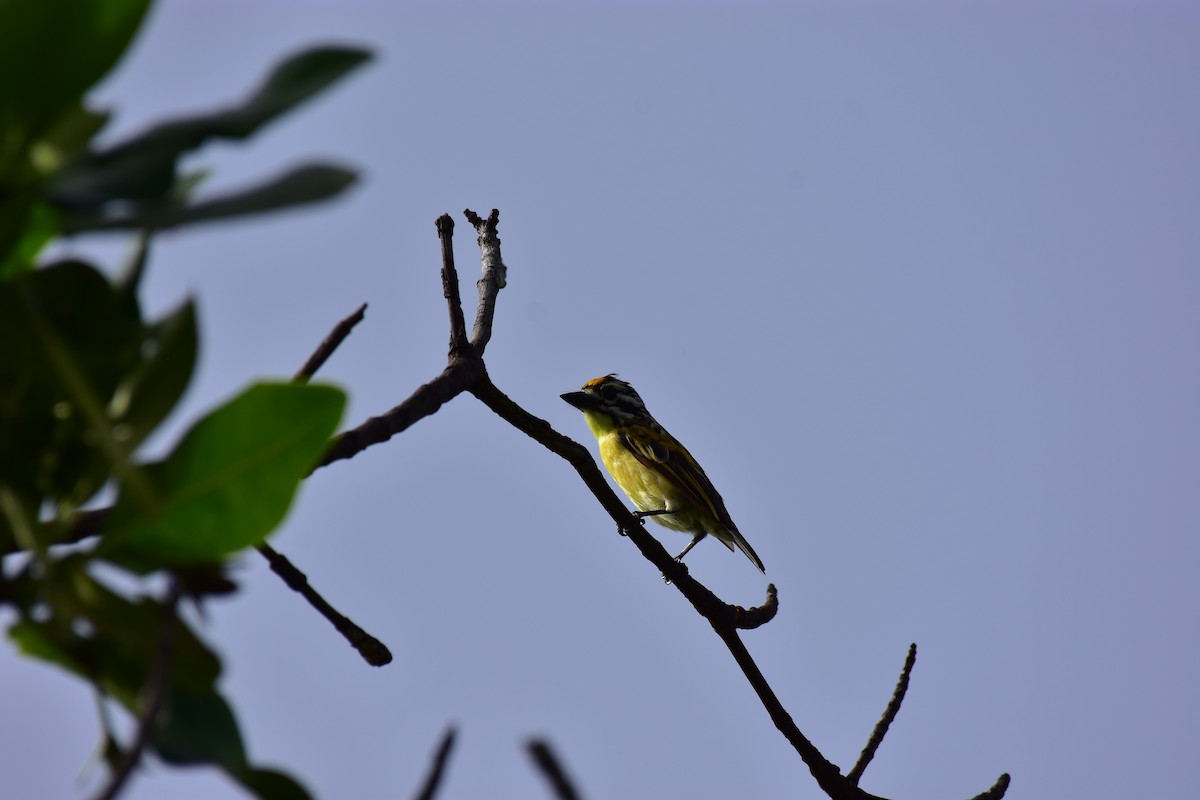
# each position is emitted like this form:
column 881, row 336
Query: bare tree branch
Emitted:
column 152, row 696
column 437, row 767
column 551, row 769
column 426, row 400
column 889, row 715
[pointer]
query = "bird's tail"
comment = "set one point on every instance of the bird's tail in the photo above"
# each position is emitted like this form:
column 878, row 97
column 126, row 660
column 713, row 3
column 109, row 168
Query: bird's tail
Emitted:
column 745, row 547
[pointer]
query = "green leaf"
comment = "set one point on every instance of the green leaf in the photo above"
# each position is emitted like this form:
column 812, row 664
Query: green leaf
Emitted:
column 148, row 394
column 98, row 180
column 69, row 137
column 295, row 80
column 269, row 784
column 199, row 728
column 113, row 643
column 39, row 641
column 27, row 220
column 143, row 168
column 67, row 312
column 229, row 482
column 291, row 83
column 306, row 184
column 53, row 52
column 105, row 638
column 37, row 225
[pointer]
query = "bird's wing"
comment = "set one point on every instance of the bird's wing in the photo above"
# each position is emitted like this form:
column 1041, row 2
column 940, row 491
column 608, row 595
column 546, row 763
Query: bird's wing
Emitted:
column 677, row 466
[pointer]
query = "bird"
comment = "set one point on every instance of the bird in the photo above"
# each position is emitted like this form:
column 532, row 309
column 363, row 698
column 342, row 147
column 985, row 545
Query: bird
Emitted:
column 653, row 468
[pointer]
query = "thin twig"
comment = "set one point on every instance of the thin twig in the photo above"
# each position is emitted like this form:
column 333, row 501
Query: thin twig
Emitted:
column 153, row 693
column 373, row 651
column 437, row 768
column 329, row 344
column 551, row 769
column 889, row 715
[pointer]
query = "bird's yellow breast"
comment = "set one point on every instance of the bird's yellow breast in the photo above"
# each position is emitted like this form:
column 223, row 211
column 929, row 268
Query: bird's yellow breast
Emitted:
column 646, row 487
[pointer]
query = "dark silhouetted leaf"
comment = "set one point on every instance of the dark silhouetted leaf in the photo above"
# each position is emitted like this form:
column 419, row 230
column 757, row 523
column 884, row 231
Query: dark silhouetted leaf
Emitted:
column 45, row 446
column 145, row 398
column 269, row 784
column 306, row 184
column 108, row 639
column 37, row 225
column 143, row 168
column 199, row 728
column 53, row 52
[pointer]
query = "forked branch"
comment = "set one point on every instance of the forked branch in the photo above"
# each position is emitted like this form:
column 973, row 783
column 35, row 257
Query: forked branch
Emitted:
column 725, row 619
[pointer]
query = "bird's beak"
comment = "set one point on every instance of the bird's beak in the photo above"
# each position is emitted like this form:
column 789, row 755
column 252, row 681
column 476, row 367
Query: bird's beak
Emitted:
column 581, row 400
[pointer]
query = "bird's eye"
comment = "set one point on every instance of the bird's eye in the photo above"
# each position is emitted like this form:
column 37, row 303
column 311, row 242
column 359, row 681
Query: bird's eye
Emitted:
column 607, row 392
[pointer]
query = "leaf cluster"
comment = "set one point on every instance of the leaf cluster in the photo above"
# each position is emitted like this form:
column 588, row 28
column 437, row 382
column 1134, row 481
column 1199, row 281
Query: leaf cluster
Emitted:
column 86, row 378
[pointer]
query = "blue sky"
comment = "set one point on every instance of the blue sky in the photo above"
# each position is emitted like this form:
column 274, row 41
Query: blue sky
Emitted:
column 917, row 283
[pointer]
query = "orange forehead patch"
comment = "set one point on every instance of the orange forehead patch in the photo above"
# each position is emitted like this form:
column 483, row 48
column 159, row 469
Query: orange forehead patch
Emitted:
column 598, row 381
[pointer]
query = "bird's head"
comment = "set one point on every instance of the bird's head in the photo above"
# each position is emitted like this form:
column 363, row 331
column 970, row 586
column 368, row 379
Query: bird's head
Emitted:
column 607, row 402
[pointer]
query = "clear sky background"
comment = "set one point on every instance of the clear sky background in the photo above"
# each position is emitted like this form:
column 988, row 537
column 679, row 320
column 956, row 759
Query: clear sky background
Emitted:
column 918, row 284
